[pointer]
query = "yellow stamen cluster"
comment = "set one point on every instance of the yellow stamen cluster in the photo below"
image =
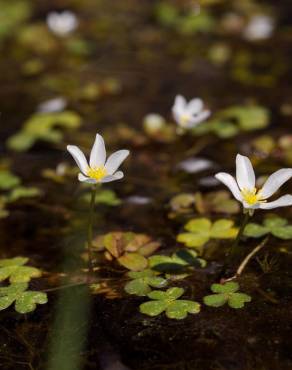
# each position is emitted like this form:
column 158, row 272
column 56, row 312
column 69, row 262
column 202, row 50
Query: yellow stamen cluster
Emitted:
column 184, row 119
column 96, row 173
column 252, row 197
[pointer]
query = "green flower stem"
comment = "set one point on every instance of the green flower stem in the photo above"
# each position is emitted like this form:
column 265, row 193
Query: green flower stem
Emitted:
column 235, row 249
column 90, row 227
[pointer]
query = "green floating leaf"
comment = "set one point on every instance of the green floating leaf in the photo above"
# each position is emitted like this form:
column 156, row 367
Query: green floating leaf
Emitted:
column 14, row 270
column 23, row 192
column 25, row 300
column 168, row 301
column 143, row 281
column 8, row 180
column 107, row 197
column 201, row 230
column 276, row 226
column 226, row 293
column 133, row 261
column 177, row 262
column 43, row 126
column 231, row 121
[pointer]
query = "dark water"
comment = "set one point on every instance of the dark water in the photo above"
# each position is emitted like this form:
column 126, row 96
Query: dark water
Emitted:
column 152, row 62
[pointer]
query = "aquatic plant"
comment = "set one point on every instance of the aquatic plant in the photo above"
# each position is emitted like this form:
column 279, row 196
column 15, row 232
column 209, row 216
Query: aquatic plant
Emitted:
column 129, row 249
column 230, row 121
column 14, row 270
column 189, row 114
column 97, row 171
column 201, row 230
column 43, row 126
column 169, row 302
column 226, row 293
column 178, row 262
column 25, row 300
column 244, row 187
column 143, row 281
column 277, row 226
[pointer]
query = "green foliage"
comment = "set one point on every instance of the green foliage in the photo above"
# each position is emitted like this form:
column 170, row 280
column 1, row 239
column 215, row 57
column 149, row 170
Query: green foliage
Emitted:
column 201, row 230
column 186, row 23
column 143, row 281
column 226, row 293
column 178, row 262
column 23, row 192
column 43, row 126
column 168, row 301
column 216, row 202
column 276, row 226
column 106, row 197
column 231, row 121
column 8, row 180
column 25, row 300
column 14, row 270
column 127, row 248
column 13, row 14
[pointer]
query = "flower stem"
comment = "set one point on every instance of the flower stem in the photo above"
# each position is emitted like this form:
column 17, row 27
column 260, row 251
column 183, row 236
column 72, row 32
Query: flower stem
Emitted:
column 235, row 250
column 90, row 227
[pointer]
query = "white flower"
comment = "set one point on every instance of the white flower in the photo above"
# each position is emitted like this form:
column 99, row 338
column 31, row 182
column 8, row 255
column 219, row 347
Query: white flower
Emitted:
column 244, row 190
column 189, row 114
column 98, row 170
column 260, row 27
column 62, row 24
column 153, row 122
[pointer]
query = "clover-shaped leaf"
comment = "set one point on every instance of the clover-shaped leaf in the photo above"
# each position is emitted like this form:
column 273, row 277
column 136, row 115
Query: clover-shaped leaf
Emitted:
column 226, row 293
column 143, row 281
column 201, row 230
column 129, row 249
column 168, row 301
column 178, row 262
column 276, row 226
column 14, row 270
column 217, row 202
column 25, row 300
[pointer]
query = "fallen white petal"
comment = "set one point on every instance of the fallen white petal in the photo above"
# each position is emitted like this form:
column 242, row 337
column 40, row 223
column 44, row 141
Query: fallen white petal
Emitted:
column 98, row 153
column 79, row 157
column 245, row 176
column 115, row 160
column 230, row 182
column 195, row 165
column 275, row 181
column 284, row 201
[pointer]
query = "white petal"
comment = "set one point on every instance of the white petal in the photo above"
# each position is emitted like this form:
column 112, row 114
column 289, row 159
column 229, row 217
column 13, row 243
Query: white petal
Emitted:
column 195, row 120
column 117, row 176
column 83, row 178
column 114, row 161
column 245, row 176
column 79, row 157
column 230, row 182
column 284, row 201
column 274, row 182
column 180, row 102
column 195, row 106
column 98, row 153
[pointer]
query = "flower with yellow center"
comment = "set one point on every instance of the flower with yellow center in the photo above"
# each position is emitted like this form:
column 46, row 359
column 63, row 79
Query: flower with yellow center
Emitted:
column 244, row 190
column 99, row 169
column 189, row 114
